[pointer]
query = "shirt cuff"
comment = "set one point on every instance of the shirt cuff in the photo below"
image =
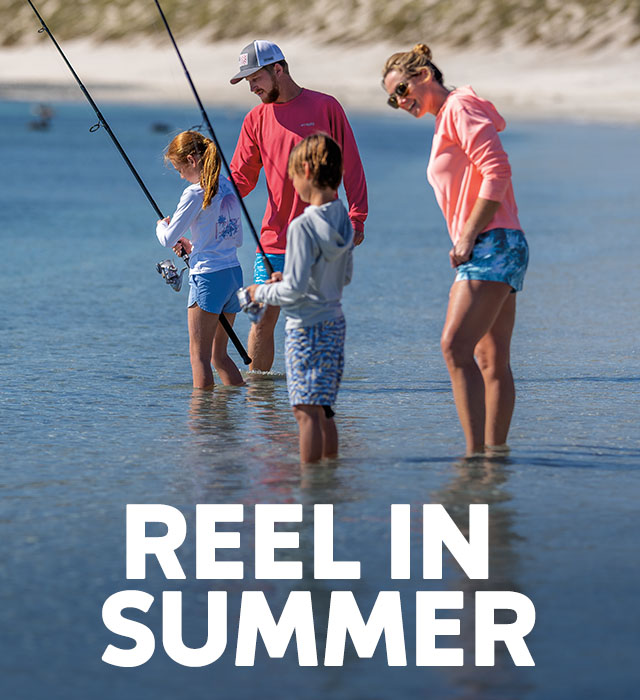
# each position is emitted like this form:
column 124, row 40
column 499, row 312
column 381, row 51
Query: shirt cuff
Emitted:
column 259, row 293
column 494, row 190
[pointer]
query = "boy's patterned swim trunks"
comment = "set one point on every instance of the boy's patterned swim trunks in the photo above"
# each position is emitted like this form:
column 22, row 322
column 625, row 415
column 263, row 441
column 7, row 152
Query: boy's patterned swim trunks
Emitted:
column 314, row 360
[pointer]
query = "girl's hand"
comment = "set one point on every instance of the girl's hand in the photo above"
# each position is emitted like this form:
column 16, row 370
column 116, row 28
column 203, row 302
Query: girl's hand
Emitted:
column 251, row 290
column 275, row 277
column 461, row 252
column 183, row 247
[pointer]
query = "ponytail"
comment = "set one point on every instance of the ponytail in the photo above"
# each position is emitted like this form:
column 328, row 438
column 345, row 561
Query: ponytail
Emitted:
column 205, row 153
column 210, row 173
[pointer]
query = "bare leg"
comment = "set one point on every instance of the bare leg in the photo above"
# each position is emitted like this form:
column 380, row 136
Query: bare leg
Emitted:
column 309, row 420
column 474, row 306
column 202, row 328
column 329, row 437
column 225, row 366
column 492, row 355
column 261, row 343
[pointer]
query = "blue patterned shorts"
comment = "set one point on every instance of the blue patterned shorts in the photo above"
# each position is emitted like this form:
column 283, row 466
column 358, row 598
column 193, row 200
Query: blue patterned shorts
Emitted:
column 260, row 274
column 314, row 361
column 499, row 255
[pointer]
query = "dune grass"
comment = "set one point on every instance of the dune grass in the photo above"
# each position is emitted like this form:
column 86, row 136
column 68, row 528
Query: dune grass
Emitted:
column 587, row 23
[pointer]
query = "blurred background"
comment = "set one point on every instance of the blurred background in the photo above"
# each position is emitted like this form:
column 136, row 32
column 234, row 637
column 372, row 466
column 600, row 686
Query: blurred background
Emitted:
column 578, row 59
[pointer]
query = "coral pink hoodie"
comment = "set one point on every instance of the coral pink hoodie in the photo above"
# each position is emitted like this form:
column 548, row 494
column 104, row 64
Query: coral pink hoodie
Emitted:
column 467, row 161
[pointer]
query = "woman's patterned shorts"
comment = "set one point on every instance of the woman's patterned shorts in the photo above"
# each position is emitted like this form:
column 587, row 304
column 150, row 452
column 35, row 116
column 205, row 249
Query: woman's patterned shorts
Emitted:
column 314, row 361
column 499, row 255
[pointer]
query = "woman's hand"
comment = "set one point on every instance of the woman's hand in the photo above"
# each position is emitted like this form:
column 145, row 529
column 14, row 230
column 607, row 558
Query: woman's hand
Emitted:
column 481, row 216
column 183, row 247
column 461, row 251
column 275, row 277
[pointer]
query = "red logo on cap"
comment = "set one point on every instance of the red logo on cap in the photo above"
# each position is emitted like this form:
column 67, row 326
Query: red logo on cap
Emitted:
column 243, row 60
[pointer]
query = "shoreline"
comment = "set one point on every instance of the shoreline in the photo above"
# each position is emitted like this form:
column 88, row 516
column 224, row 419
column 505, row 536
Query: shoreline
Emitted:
column 532, row 83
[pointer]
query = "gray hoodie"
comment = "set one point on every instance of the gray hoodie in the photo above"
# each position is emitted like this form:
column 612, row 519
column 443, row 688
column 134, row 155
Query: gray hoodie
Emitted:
column 318, row 264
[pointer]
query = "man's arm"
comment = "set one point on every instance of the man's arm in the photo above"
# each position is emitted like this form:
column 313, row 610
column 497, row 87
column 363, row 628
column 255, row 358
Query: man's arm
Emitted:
column 355, row 184
column 247, row 160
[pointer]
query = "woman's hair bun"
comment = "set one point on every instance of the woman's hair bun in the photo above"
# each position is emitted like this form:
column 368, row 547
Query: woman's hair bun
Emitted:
column 424, row 50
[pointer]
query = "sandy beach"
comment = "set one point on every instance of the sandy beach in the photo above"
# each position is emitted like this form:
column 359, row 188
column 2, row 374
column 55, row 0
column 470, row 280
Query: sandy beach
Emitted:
column 536, row 83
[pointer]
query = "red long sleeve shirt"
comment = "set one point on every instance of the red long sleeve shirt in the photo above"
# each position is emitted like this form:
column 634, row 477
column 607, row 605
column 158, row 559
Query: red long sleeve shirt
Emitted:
column 269, row 133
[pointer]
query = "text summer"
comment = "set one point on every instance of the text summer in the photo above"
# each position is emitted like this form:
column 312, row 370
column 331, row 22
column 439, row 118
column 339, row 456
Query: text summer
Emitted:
column 298, row 619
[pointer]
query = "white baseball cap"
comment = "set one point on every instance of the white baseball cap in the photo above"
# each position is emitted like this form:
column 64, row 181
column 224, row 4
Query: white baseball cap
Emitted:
column 255, row 56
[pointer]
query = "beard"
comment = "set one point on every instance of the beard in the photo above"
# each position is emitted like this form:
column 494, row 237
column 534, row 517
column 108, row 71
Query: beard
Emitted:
column 273, row 94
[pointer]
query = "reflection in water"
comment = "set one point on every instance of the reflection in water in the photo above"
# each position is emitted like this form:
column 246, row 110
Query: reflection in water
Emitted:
column 271, row 417
column 209, row 411
column 255, row 421
column 221, row 423
column 210, row 455
column 483, row 479
column 243, row 448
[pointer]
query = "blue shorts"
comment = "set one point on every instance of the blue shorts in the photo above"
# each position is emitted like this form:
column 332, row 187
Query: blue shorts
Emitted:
column 499, row 255
column 314, row 361
column 260, row 274
column 216, row 291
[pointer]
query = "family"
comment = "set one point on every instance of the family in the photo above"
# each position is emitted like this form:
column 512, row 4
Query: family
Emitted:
column 304, row 143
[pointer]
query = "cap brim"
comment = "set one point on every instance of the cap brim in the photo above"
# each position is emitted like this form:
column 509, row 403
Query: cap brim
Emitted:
column 244, row 73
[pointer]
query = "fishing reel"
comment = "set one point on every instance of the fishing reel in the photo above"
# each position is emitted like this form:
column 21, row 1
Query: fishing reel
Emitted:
column 170, row 274
column 254, row 309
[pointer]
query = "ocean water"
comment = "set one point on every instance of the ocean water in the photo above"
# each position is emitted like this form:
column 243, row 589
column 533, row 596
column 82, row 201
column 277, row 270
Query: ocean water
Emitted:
column 97, row 412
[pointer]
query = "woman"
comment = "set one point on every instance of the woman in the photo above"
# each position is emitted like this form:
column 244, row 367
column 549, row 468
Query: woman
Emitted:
column 471, row 177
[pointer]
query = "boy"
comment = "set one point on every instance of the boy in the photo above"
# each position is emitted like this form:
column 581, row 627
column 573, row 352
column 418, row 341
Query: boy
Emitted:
column 318, row 264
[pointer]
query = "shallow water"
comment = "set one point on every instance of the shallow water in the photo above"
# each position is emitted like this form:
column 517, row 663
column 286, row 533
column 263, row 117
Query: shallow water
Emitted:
column 97, row 412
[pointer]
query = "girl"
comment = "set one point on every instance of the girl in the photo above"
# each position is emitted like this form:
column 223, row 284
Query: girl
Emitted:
column 318, row 264
column 470, row 174
column 211, row 210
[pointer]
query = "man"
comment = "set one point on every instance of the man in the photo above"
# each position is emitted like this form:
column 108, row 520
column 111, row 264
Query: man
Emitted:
column 287, row 114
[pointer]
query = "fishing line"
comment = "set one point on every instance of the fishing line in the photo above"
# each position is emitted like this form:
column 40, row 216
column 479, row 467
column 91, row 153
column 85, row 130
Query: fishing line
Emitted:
column 103, row 122
column 267, row 262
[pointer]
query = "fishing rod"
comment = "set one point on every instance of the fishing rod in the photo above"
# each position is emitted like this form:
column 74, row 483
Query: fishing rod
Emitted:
column 103, row 122
column 267, row 262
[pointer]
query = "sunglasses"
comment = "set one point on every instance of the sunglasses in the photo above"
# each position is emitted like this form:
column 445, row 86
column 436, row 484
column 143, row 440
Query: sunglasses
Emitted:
column 401, row 90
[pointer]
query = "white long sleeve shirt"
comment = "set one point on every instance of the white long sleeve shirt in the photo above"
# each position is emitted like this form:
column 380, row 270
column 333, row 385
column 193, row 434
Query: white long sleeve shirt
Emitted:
column 216, row 232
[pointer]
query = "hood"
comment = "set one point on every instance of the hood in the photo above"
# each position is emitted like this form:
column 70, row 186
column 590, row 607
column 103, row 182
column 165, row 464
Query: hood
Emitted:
column 332, row 228
column 467, row 91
